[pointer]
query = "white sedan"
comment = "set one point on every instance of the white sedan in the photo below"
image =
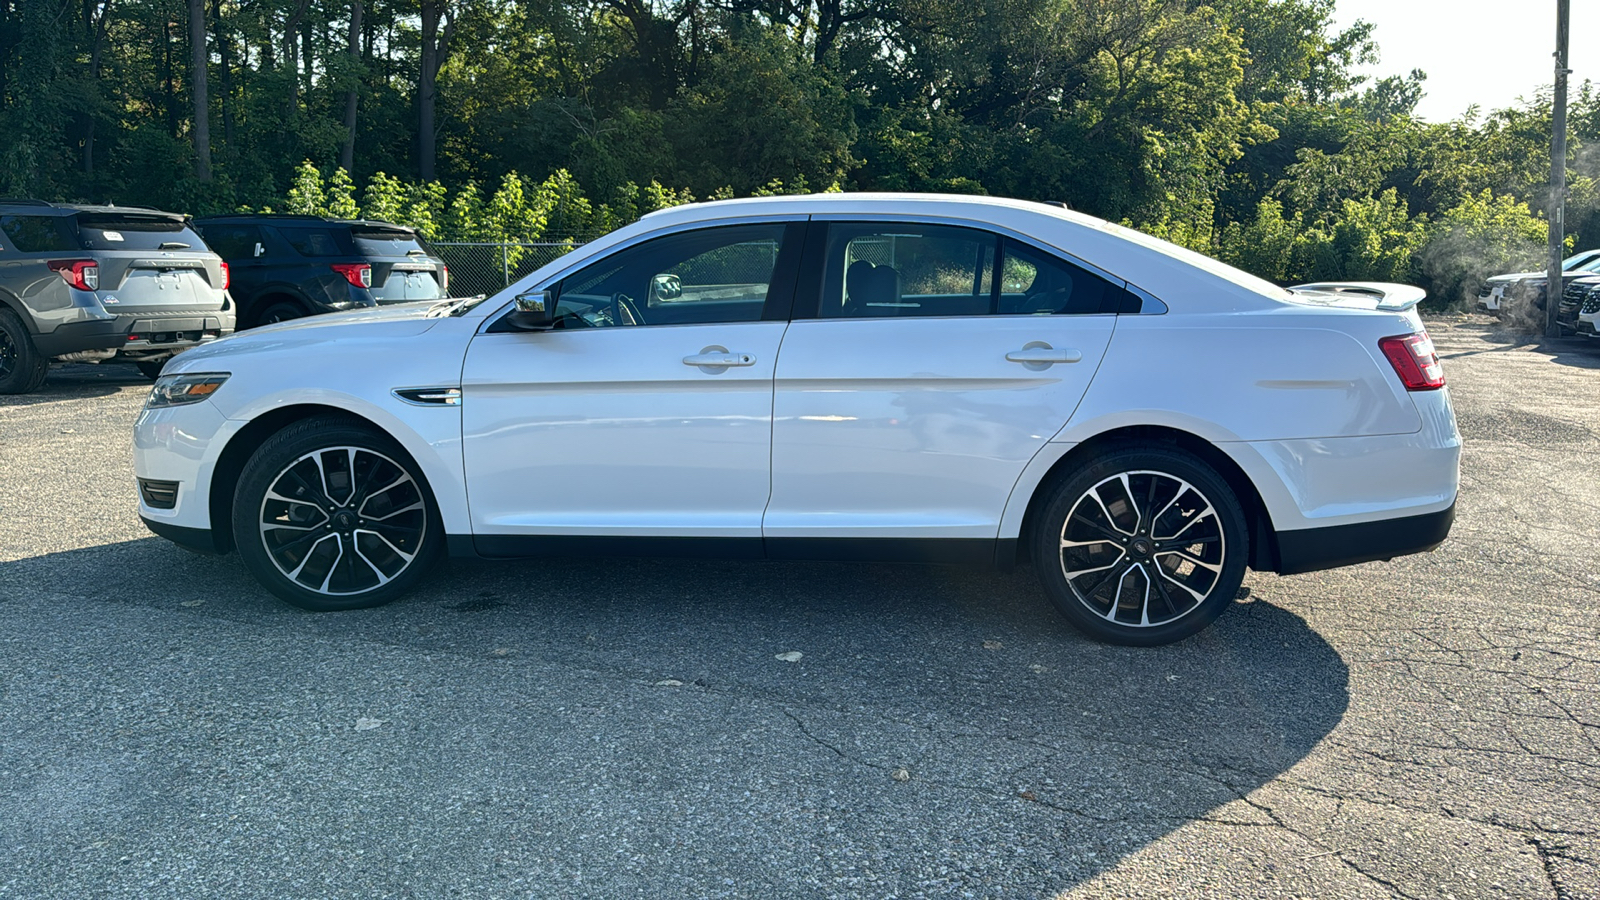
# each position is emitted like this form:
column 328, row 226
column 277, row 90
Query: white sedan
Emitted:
column 851, row 376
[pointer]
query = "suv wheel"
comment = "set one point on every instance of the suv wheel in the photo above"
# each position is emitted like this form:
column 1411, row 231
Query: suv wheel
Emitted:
column 22, row 368
column 1143, row 546
column 281, row 311
column 330, row 514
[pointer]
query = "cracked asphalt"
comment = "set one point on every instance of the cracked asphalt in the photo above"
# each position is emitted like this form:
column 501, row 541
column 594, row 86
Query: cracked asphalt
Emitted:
column 1424, row 728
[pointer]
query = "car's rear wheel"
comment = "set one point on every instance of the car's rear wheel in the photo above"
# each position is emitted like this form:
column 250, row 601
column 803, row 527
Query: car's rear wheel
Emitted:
column 331, row 514
column 1143, row 546
column 22, row 367
column 282, row 311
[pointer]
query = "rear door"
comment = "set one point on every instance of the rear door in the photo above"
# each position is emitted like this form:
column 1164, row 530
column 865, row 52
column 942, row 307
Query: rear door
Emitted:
column 911, row 400
column 647, row 411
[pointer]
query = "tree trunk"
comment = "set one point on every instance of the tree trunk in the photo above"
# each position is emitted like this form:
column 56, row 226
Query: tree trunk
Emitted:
column 347, row 152
column 434, row 48
column 226, row 97
column 200, row 57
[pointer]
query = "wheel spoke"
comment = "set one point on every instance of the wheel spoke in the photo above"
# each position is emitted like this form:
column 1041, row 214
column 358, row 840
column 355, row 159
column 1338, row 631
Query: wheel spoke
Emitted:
column 1191, row 558
column 1079, row 573
column 1198, row 597
column 380, row 536
column 417, row 505
column 1114, row 536
column 1095, row 493
column 1195, row 518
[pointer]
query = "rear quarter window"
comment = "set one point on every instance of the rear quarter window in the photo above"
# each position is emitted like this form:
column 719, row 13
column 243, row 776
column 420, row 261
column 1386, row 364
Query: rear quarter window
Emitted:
column 317, row 241
column 36, row 234
column 137, row 233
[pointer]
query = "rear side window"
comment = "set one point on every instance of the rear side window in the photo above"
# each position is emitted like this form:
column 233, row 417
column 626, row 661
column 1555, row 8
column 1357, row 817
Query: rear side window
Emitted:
column 124, row 232
column 233, row 241
column 317, row 241
column 37, row 234
column 382, row 242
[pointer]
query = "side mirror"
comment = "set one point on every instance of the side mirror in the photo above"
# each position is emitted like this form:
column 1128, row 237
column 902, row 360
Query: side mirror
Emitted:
column 664, row 287
column 535, row 311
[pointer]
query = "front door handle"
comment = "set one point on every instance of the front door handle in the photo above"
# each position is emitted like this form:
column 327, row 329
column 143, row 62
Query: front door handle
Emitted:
column 1039, row 353
column 719, row 359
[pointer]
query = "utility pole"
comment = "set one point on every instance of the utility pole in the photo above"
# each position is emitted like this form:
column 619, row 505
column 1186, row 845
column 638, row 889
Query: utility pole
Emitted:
column 1558, row 173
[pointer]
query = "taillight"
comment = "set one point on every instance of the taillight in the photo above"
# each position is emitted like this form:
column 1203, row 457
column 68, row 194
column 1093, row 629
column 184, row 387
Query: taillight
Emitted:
column 1414, row 360
column 444, row 278
column 358, row 274
column 83, row 274
column 227, row 277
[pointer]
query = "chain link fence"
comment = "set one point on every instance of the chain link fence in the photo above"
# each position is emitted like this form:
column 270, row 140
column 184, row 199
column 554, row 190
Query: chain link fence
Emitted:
column 484, row 268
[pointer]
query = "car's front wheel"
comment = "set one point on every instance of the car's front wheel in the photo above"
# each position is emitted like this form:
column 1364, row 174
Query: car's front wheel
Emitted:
column 1143, row 546
column 331, row 514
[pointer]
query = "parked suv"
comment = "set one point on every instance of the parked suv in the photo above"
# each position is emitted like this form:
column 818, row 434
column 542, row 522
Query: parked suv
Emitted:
column 287, row 266
column 1495, row 291
column 93, row 283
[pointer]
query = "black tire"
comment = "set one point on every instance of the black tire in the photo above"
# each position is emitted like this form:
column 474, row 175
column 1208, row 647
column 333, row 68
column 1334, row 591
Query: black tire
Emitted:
column 368, row 515
column 150, row 369
column 22, row 368
column 1114, row 569
column 282, row 311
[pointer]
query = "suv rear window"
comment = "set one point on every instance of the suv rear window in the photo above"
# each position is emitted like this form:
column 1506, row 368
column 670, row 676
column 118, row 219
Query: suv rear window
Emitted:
column 37, row 234
column 123, row 232
column 375, row 242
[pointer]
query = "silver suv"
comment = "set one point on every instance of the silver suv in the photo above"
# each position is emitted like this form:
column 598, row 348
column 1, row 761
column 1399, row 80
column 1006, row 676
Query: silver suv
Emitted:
column 95, row 283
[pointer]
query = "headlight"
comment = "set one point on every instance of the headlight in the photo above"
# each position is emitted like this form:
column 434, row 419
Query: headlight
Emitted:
column 179, row 390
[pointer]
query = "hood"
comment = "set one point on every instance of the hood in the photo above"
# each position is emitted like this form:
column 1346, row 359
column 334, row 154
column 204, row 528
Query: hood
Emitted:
column 311, row 335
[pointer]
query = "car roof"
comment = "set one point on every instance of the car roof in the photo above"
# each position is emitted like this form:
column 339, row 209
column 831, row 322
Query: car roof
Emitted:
column 1160, row 267
column 45, row 208
column 299, row 218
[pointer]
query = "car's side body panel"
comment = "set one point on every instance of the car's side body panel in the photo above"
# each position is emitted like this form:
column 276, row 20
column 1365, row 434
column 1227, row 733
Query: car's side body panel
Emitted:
column 891, row 427
column 609, row 431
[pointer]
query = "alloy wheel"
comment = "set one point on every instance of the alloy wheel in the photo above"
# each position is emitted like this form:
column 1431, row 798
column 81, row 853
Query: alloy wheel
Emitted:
column 1142, row 549
column 343, row 520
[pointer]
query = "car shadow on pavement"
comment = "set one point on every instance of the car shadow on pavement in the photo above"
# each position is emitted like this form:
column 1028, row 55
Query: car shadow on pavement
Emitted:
column 1581, row 352
column 79, row 382
column 941, row 715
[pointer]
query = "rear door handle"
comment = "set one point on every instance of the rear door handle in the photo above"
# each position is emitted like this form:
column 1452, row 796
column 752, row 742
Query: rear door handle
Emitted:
column 1043, row 354
column 720, row 359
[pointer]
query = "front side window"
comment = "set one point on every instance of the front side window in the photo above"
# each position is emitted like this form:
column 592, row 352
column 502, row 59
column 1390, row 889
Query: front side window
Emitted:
column 37, row 234
column 880, row 269
column 699, row 277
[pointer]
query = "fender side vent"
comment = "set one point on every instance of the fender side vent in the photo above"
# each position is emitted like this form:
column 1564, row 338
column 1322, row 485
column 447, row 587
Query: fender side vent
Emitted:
column 430, row 396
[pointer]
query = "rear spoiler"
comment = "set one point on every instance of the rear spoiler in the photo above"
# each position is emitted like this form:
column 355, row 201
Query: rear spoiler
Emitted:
column 1390, row 297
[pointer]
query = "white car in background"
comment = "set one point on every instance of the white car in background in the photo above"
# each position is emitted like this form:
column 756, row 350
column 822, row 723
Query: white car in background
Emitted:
column 1496, row 292
column 851, row 376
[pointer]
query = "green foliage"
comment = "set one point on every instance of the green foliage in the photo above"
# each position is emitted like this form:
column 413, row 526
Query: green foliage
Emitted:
column 341, row 195
column 384, row 199
column 1485, row 234
column 306, row 196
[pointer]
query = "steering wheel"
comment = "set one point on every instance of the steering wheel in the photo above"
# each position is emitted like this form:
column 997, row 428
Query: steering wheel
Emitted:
column 623, row 312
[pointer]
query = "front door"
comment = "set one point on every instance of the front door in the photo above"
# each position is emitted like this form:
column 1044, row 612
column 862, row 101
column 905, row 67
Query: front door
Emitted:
column 646, row 413
column 939, row 363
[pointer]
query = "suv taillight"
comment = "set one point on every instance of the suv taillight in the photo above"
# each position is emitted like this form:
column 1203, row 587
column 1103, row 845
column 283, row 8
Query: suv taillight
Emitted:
column 1414, row 360
column 83, row 274
column 358, row 274
column 227, row 277
column 444, row 279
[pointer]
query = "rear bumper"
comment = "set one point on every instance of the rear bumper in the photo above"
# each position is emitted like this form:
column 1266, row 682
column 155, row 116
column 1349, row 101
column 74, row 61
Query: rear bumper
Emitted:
column 72, row 337
column 1314, row 549
column 140, row 335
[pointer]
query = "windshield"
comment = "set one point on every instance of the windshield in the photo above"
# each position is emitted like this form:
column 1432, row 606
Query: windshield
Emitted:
column 390, row 243
column 133, row 232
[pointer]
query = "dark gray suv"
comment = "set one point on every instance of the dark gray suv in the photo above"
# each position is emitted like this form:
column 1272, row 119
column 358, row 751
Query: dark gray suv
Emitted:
column 96, row 283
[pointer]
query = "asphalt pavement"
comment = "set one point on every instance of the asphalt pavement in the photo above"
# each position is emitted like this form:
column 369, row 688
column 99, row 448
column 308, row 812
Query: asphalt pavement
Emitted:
column 1428, row 727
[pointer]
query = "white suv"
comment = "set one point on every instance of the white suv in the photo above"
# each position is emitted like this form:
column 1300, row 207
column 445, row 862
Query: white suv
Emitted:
column 871, row 377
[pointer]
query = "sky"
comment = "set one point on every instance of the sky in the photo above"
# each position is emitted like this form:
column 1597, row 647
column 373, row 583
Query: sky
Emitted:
column 1488, row 52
